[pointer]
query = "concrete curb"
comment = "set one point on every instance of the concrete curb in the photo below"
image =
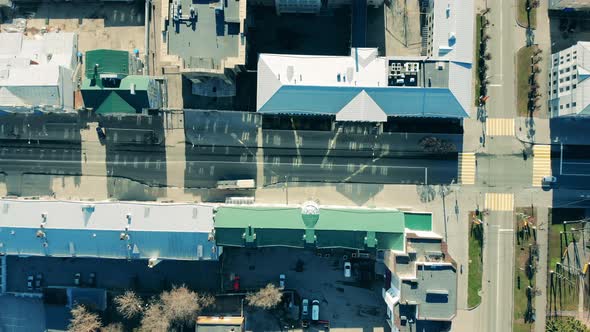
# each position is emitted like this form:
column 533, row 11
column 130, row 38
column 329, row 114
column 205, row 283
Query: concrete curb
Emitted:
column 520, row 24
column 479, row 304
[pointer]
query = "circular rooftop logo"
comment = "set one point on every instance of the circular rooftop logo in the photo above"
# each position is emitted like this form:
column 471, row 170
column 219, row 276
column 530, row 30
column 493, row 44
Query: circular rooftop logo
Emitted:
column 310, row 207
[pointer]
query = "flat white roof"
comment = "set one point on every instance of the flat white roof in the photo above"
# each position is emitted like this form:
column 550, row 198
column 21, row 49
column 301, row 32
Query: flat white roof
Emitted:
column 34, row 71
column 362, row 68
column 453, row 35
column 51, row 48
column 76, row 215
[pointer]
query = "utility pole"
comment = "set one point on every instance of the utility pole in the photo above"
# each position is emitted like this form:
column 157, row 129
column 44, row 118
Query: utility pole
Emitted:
column 287, row 189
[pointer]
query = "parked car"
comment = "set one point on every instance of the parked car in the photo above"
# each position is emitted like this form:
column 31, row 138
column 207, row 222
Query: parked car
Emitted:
column 549, row 180
column 304, row 307
column 30, row 282
column 347, row 270
column 92, row 279
column 38, row 280
column 100, row 132
column 77, row 279
column 282, row 281
column 315, row 310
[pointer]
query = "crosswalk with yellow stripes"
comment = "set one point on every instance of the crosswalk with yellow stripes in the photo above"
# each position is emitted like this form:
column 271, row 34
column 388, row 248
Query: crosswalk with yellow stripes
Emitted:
column 500, row 127
column 499, row 202
column 467, row 168
column 541, row 163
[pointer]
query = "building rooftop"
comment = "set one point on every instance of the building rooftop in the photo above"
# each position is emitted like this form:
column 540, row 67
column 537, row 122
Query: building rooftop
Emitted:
column 213, row 37
column 569, row 91
column 102, row 61
column 569, row 4
column 424, row 281
column 452, row 36
column 106, row 229
column 37, row 72
column 435, row 294
column 54, row 48
column 360, row 87
column 324, row 227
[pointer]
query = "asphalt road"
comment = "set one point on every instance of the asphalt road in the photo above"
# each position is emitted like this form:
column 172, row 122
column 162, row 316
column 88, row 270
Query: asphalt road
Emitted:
column 206, row 165
column 504, row 171
column 498, row 262
column 571, row 167
column 228, row 145
column 570, row 130
column 497, row 305
column 502, row 91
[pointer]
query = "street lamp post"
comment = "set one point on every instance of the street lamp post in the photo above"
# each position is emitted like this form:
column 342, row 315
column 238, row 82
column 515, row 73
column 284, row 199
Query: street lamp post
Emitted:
column 287, row 189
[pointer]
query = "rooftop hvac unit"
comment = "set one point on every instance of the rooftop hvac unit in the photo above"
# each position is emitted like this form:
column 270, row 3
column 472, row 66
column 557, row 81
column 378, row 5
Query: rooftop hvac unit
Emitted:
column 239, row 200
column 411, row 67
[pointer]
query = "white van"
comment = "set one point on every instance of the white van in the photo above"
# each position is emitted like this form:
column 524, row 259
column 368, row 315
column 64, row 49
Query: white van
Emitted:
column 315, row 310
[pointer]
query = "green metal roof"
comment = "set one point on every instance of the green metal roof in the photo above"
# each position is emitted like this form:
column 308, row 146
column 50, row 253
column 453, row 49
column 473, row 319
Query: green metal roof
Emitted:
column 117, row 100
column 329, row 219
column 259, row 217
column 109, row 62
column 114, row 104
column 418, row 221
column 285, row 226
column 391, row 221
column 141, row 83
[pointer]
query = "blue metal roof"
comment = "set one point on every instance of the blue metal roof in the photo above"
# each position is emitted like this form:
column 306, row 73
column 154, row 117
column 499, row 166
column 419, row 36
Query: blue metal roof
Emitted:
column 395, row 101
column 107, row 244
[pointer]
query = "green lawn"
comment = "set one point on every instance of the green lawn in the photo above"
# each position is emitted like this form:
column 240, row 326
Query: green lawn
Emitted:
column 523, row 69
column 478, row 19
column 475, row 271
column 522, row 15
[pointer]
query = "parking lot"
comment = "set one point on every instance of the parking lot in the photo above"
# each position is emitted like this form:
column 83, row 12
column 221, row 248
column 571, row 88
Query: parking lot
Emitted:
column 117, row 26
column 112, row 273
column 345, row 302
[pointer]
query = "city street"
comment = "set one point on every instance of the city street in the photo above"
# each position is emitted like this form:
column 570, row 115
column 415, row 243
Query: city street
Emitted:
column 224, row 146
column 498, row 272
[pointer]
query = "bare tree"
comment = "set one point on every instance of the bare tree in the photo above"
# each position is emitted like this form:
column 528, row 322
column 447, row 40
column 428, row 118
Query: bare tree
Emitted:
column 129, row 304
column 181, row 305
column 113, row 327
column 266, row 298
column 84, row 320
column 153, row 319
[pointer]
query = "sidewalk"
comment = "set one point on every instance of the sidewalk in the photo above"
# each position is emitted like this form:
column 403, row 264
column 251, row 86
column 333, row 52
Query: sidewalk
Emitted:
column 532, row 130
column 539, row 131
column 541, row 275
